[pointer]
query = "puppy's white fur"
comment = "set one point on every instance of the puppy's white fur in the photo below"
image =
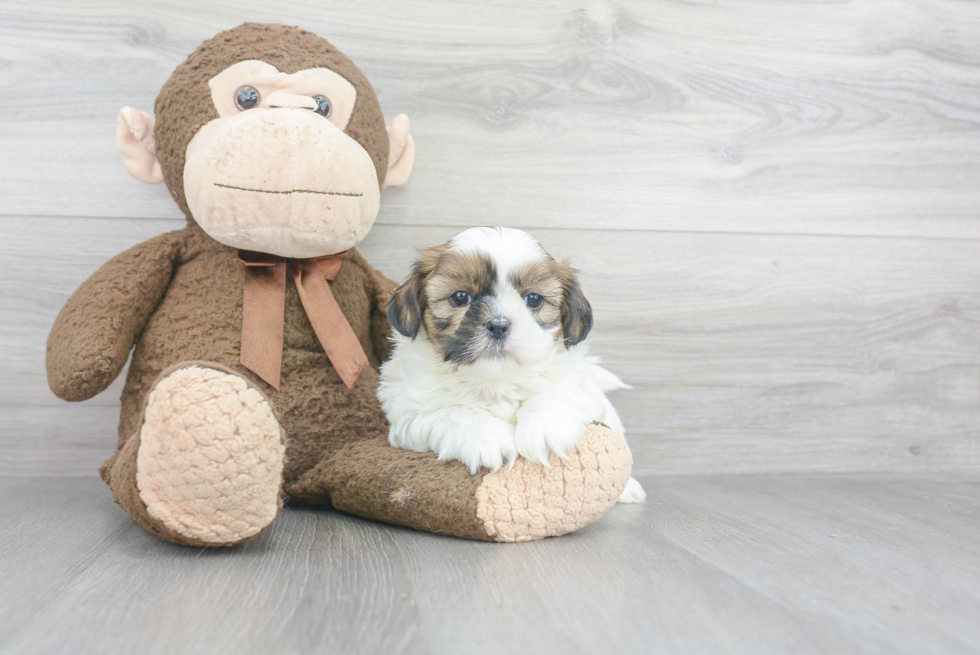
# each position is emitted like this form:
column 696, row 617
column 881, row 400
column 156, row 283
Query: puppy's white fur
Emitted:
column 533, row 401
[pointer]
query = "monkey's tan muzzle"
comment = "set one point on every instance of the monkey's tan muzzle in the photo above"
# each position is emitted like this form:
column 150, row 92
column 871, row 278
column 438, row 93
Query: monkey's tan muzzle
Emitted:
column 284, row 181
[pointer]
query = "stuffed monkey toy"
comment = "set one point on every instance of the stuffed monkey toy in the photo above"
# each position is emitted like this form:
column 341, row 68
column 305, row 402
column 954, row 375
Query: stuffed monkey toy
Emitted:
column 256, row 331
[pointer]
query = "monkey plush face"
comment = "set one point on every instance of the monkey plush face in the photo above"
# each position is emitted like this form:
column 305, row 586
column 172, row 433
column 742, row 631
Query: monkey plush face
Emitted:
column 275, row 171
column 271, row 140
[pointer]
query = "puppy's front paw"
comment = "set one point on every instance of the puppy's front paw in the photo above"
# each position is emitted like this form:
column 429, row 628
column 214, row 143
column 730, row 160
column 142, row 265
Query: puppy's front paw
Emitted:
column 488, row 443
column 546, row 428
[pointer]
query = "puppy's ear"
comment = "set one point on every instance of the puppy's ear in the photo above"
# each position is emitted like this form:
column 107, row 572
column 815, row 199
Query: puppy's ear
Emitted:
column 405, row 305
column 576, row 312
column 408, row 302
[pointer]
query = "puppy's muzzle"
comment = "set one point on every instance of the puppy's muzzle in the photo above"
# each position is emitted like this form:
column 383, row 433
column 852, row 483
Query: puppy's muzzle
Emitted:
column 497, row 327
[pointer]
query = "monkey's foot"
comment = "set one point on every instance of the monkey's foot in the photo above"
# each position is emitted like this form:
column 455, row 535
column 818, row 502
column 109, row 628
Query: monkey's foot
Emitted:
column 210, row 459
column 529, row 501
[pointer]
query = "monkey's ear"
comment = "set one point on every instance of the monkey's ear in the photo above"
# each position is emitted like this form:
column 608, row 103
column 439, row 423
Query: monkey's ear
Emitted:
column 134, row 135
column 405, row 307
column 576, row 312
column 401, row 152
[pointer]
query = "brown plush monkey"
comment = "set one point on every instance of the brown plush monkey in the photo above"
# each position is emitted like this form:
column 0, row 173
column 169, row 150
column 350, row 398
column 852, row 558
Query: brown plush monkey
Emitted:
column 256, row 340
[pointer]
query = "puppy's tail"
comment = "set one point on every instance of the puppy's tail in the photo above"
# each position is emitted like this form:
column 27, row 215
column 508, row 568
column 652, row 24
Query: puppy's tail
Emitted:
column 607, row 381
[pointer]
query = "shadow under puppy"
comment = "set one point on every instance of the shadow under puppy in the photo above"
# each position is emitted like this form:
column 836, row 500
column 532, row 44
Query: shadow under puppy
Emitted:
column 488, row 361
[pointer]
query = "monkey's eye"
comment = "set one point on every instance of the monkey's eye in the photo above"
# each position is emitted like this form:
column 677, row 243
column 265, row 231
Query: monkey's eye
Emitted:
column 533, row 300
column 247, row 97
column 460, row 299
column 323, row 105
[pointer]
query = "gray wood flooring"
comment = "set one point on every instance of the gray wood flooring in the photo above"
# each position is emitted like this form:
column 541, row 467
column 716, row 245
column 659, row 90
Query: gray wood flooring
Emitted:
column 775, row 207
column 728, row 564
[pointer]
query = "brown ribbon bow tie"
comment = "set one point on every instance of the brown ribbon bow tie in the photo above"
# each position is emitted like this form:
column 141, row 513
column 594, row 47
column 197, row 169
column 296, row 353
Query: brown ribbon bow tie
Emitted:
column 263, row 314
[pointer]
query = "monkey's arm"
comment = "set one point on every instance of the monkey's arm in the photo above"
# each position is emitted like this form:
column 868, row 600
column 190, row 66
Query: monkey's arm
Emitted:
column 380, row 325
column 95, row 330
column 379, row 289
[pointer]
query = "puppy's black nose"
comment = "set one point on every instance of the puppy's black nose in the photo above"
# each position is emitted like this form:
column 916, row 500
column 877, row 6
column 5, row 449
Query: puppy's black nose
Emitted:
column 498, row 327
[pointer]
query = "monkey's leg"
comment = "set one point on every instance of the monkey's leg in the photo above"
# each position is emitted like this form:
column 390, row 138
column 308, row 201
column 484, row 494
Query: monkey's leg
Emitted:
column 205, row 468
column 372, row 479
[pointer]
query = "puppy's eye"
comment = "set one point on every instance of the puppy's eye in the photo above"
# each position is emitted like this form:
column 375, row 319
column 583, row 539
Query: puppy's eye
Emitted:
column 533, row 300
column 460, row 299
column 323, row 105
column 247, row 97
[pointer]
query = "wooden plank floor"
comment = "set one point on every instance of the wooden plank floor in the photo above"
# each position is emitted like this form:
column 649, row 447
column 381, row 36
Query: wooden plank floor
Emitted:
column 775, row 209
column 776, row 357
column 738, row 564
column 774, row 205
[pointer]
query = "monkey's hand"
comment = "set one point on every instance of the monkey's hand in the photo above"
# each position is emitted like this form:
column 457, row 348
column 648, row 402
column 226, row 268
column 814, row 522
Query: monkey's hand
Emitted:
column 95, row 330
column 401, row 152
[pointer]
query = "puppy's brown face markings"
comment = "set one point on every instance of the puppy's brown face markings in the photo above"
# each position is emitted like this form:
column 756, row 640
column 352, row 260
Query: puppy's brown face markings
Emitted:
column 541, row 279
column 408, row 303
column 460, row 301
column 576, row 312
column 451, row 295
column 454, row 295
column 562, row 301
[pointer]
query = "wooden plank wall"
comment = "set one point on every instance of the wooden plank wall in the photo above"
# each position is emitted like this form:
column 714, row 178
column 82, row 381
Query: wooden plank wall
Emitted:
column 775, row 206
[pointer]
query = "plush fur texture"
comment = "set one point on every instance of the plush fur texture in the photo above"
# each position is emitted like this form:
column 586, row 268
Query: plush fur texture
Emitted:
column 279, row 177
column 198, row 462
column 490, row 329
column 568, row 493
column 211, row 456
column 180, row 113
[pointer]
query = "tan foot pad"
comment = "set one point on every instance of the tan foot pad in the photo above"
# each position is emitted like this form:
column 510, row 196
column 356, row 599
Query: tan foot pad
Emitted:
column 210, row 458
column 530, row 501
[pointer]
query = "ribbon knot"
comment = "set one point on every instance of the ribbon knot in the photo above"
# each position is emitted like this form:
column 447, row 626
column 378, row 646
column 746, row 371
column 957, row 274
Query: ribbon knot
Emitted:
column 264, row 314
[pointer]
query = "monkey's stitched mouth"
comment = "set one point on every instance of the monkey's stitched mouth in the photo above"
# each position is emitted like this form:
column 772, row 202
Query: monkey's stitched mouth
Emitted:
column 322, row 193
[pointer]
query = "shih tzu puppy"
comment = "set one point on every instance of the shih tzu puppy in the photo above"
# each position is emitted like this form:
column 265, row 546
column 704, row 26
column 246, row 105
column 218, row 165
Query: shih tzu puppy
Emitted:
column 488, row 361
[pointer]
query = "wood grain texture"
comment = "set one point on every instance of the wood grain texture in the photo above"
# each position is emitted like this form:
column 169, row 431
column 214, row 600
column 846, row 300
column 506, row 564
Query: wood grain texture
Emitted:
column 774, row 205
column 747, row 353
column 750, row 564
column 825, row 117
column 775, row 210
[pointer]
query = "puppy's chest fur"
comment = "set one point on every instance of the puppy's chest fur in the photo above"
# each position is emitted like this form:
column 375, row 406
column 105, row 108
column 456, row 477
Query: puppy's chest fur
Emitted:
column 502, row 399
column 416, row 375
